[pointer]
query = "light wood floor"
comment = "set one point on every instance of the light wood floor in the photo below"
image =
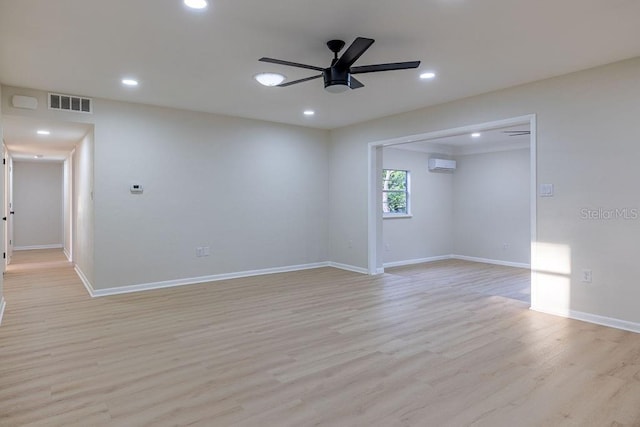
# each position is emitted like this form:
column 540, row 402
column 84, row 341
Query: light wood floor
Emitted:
column 316, row 348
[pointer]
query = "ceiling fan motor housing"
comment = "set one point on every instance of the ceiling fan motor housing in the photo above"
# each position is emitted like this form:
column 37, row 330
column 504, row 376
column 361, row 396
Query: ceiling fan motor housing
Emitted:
column 336, row 81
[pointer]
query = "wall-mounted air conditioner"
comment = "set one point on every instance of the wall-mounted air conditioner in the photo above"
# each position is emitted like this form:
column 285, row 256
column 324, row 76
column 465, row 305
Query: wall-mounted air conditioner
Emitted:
column 442, row 165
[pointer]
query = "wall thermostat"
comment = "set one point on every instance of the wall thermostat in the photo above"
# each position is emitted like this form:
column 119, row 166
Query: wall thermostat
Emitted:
column 136, row 188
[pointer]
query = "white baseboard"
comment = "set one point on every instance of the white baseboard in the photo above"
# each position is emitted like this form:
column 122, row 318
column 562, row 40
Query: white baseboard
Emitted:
column 66, row 253
column 193, row 280
column 460, row 257
column 31, row 248
column 3, row 304
column 592, row 318
column 491, row 261
column 84, row 280
column 347, row 267
column 571, row 314
column 416, row 261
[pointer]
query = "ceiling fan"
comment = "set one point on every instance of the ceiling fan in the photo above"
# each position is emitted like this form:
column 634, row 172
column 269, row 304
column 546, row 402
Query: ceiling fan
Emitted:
column 338, row 77
column 517, row 132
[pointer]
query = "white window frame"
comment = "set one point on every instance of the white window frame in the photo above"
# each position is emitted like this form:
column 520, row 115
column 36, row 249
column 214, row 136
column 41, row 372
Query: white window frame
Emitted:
column 388, row 215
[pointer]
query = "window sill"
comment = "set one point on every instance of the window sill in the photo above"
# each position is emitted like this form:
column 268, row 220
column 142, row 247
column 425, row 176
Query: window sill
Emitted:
column 387, row 216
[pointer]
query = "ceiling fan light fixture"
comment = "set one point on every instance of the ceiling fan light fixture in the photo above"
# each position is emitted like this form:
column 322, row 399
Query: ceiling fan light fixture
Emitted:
column 336, row 88
column 269, row 79
column 336, row 81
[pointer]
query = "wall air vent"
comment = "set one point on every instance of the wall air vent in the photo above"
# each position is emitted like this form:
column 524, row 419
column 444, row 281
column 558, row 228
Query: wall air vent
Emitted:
column 77, row 104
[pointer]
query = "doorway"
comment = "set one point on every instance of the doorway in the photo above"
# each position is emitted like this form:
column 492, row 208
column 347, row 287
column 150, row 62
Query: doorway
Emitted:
column 378, row 248
column 39, row 189
column 37, row 206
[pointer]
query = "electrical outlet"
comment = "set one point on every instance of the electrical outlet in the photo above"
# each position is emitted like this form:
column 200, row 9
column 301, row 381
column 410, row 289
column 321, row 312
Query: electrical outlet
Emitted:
column 587, row 276
column 203, row 251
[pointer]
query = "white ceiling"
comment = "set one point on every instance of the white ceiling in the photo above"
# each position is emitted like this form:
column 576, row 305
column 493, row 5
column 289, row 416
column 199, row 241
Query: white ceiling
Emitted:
column 22, row 140
column 490, row 140
column 205, row 60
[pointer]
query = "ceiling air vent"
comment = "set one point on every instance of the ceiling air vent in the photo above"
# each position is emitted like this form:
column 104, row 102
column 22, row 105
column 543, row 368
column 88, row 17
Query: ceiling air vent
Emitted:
column 70, row 103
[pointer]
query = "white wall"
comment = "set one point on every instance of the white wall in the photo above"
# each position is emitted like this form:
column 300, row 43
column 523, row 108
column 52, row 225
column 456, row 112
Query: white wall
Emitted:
column 4, row 213
column 9, row 207
column 472, row 212
column 428, row 233
column 586, row 147
column 82, row 207
column 255, row 192
column 38, row 219
column 491, row 206
column 67, row 207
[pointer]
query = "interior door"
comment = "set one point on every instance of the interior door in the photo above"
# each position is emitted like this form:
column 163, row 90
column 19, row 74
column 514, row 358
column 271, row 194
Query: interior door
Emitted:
column 9, row 208
column 3, row 188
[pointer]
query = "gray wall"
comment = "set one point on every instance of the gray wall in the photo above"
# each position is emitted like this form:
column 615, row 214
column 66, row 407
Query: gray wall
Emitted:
column 37, row 201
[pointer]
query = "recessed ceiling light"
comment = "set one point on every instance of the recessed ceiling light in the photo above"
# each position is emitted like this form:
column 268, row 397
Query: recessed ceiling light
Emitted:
column 428, row 75
column 309, row 112
column 269, row 79
column 44, row 132
column 476, row 135
column 129, row 82
column 196, row 4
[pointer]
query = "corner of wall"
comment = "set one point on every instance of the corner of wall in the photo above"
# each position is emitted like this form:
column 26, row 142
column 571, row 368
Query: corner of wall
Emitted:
column 3, row 304
column 85, row 281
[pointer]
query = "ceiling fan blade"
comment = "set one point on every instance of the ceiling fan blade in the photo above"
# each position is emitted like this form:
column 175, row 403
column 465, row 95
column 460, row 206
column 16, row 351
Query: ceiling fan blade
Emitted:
column 290, row 64
column 355, row 83
column 353, row 52
column 517, row 132
column 385, row 67
column 299, row 81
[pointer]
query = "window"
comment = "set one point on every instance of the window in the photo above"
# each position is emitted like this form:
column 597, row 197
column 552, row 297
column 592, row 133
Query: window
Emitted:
column 395, row 192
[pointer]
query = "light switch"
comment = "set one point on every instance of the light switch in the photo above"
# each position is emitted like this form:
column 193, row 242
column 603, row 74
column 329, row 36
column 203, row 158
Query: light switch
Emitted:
column 546, row 190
